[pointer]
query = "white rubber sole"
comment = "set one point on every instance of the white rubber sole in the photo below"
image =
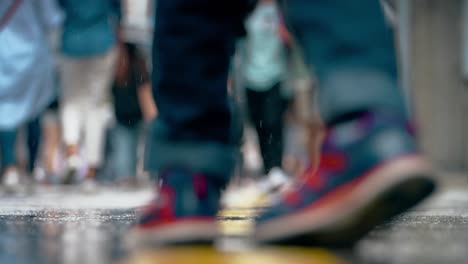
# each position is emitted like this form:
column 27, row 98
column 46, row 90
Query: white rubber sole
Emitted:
column 176, row 233
column 358, row 208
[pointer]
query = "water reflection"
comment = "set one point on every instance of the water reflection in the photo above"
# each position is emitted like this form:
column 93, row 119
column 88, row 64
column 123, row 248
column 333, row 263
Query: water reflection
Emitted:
column 59, row 225
column 64, row 236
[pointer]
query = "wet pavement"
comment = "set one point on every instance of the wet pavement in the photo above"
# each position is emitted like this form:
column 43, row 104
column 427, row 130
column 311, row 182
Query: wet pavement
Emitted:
column 435, row 232
column 62, row 225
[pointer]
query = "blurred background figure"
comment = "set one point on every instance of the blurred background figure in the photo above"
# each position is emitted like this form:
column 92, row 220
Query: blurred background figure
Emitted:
column 25, row 89
column 261, row 72
column 88, row 45
column 264, row 68
column 133, row 100
column 133, row 106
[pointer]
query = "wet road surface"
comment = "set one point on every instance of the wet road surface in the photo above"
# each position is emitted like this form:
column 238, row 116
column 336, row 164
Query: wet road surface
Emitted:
column 62, row 225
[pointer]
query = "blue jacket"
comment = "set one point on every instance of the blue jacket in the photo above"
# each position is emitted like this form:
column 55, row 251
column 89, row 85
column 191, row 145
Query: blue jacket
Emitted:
column 90, row 26
column 26, row 62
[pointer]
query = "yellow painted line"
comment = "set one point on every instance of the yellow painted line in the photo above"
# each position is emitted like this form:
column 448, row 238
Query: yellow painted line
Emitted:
column 236, row 222
column 208, row 255
column 236, row 227
column 236, row 212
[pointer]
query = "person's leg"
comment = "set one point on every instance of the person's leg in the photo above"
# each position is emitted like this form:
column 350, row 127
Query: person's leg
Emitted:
column 124, row 143
column 7, row 148
column 352, row 51
column 72, row 112
column 194, row 116
column 255, row 102
column 190, row 144
column 274, row 125
column 51, row 143
column 98, row 80
column 266, row 109
column 135, row 135
column 370, row 167
column 33, row 140
column 10, row 174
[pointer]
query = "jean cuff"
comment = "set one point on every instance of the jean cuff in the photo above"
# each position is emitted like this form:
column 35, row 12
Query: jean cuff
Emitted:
column 214, row 159
column 345, row 91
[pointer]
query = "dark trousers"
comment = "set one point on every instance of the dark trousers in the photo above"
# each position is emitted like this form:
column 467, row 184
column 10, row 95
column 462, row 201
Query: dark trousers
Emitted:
column 7, row 148
column 348, row 43
column 33, row 139
column 8, row 141
column 266, row 112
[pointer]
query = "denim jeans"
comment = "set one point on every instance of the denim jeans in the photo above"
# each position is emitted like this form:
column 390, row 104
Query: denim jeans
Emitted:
column 8, row 143
column 7, row 148
column 34, row 131
column 125, row 141
column 347, row 42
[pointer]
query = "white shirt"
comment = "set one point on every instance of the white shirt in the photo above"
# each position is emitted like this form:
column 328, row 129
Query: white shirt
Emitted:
column 265, row 55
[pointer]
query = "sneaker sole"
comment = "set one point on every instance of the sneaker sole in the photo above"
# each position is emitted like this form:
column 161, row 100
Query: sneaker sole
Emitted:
column 347, row 214
column 178, row 233
column 70, row 177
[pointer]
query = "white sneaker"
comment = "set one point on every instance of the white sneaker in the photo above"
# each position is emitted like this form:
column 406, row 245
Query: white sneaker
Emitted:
column 71, row 172
column 276, row 179
column 89, row 186
column 257, row 194
column 11, row 180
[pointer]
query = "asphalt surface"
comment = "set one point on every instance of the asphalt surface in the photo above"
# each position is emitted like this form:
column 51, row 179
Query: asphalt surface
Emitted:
column 63, row 225
column 435, row 232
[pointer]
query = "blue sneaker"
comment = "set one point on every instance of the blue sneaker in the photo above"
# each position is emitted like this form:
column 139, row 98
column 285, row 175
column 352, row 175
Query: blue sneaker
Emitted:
column 184, row 211
column 370, row 170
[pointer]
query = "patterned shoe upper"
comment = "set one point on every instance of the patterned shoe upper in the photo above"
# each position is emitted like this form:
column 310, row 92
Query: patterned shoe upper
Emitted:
column 182, row 196
column 350, row 151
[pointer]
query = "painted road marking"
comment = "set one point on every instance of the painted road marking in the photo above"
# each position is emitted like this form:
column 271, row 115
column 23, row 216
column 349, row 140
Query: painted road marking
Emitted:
column 209, row 255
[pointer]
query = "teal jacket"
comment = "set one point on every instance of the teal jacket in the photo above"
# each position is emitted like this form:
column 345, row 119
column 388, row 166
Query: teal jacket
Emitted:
column 90, row 26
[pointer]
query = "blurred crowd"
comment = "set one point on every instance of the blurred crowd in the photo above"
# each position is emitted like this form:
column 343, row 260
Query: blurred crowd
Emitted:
column 75, row 91
column 76, row 97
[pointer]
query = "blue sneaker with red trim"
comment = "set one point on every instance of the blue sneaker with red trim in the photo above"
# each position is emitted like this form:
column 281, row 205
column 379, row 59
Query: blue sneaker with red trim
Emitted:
column 184, row 211
column 370, row 170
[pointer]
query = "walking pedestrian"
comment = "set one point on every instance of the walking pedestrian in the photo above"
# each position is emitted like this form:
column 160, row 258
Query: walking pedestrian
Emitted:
column 370, row 167
column 133, row 108
column 25, row 89
column 89, row 47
